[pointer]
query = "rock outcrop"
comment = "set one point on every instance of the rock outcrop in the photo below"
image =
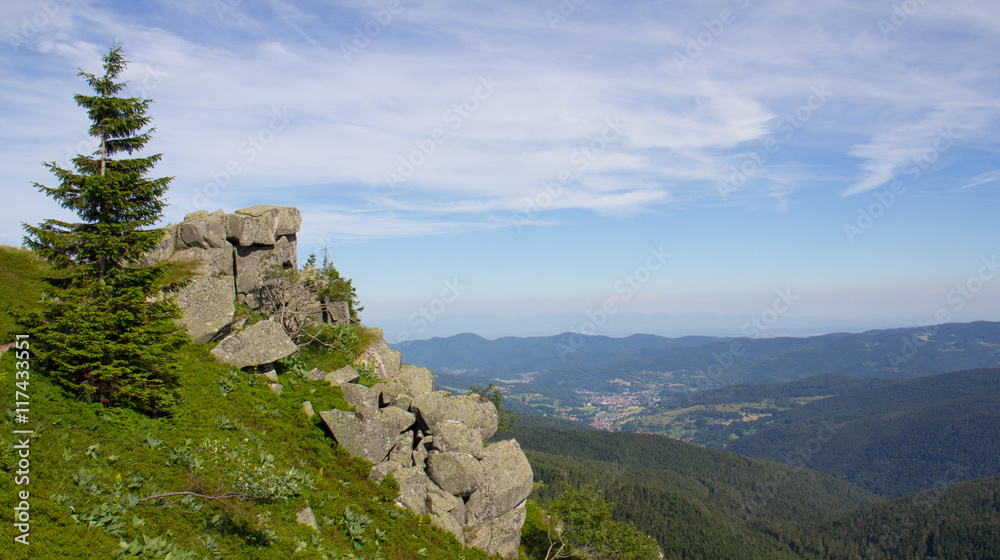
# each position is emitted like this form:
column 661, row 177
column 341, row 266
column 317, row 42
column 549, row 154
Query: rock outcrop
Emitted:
column 431, row 442
column 258, row 344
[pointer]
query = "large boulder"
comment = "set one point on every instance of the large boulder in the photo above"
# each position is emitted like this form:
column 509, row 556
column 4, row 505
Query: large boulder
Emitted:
column 260, row 343
column 507, row 481
column 413, row 484
column 207, row 306
column 457, row 473
column 400, row 419
column 162, row 250
column 451, row 435
column 500, row 535
column 475, row 412
column 362, row 436
column 417, row 380
column 202, row 230
column 363, row 399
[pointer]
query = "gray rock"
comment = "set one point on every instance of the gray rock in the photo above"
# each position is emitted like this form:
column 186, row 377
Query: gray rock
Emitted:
column 386, row 360
column 507, row 481
column 478, row 414
column 451, row 435
column 254, row 264
column 260, row 343
column 458, row 474
column 403, row 402
column 276, row 388
column 209, row 262
column 417, row 380
column 162, row 250
column 306, row 517
column 500, row 535
column 419, row 455
column 343, row 375
column 400, row 419
column 412, row 489
column 316, row 374
column 363, row 399
column 367, row 437
column 286, row 219
column 384, row 469
column 307, row 408
column 207, row 305
column 402, row 450
column 446, row 511
column 202, row 230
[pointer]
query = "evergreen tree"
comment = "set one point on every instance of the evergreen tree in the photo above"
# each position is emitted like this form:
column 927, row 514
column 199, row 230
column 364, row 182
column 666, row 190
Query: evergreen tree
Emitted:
column 102, row 335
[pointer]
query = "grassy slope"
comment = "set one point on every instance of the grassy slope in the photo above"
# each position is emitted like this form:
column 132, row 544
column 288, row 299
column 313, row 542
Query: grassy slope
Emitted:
column 210, row 443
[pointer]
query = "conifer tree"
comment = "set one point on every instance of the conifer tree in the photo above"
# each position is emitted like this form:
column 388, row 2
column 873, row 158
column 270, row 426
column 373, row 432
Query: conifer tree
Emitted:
column 102, row 335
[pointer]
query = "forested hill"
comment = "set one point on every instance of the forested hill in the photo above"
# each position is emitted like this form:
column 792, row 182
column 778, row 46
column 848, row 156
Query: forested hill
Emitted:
column 576, row 362
column 697, row 502
column 899, row 439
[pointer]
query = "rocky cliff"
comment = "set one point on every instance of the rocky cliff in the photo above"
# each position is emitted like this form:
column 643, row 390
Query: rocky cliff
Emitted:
column 431, row 442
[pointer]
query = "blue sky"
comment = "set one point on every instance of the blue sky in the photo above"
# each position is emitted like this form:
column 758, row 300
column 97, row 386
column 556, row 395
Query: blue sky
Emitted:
column 525, row 167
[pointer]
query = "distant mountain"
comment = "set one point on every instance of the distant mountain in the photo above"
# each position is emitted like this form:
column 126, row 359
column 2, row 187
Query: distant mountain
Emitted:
column 576, row 362
column 894, row 440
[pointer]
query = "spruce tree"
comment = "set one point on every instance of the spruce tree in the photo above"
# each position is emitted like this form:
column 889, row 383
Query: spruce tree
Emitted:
column 103, row 334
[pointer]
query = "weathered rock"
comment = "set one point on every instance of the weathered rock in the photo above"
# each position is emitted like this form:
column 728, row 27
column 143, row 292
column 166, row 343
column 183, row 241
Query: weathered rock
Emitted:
column 343, row 375
column 306, row 517
column 403, row 402
column 417, row 380
column 458, row 474
column 385, row 360
column 400, row 419
column 286, row 219
column 276, row 388
column 476, row 413
column 412, row 489
column 402, row 451
column 255, row 262
column 207, row 305
column 500, row 535
column 202, row 230
column 507, row 481
column 316, row 374
column 363, row 399
column 367, row 437
column 209, row 262
column 268, row 372
column 260, row 343
column 384, row 469
column 419, row 455
column 451, row 435
column 307, row 408
column 390, row 391
column 446, row 511
column 162, row 250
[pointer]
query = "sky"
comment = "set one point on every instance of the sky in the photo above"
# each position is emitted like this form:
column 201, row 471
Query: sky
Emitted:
column 754, row 167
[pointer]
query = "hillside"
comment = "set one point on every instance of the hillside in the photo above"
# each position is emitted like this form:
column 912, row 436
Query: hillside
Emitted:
column 894, row 441
column 957, row 522
column 697, row 502
column 228, row 474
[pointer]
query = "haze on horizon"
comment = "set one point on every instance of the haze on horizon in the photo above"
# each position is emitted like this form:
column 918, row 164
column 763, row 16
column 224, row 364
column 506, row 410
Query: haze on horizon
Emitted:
column 527, row 166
